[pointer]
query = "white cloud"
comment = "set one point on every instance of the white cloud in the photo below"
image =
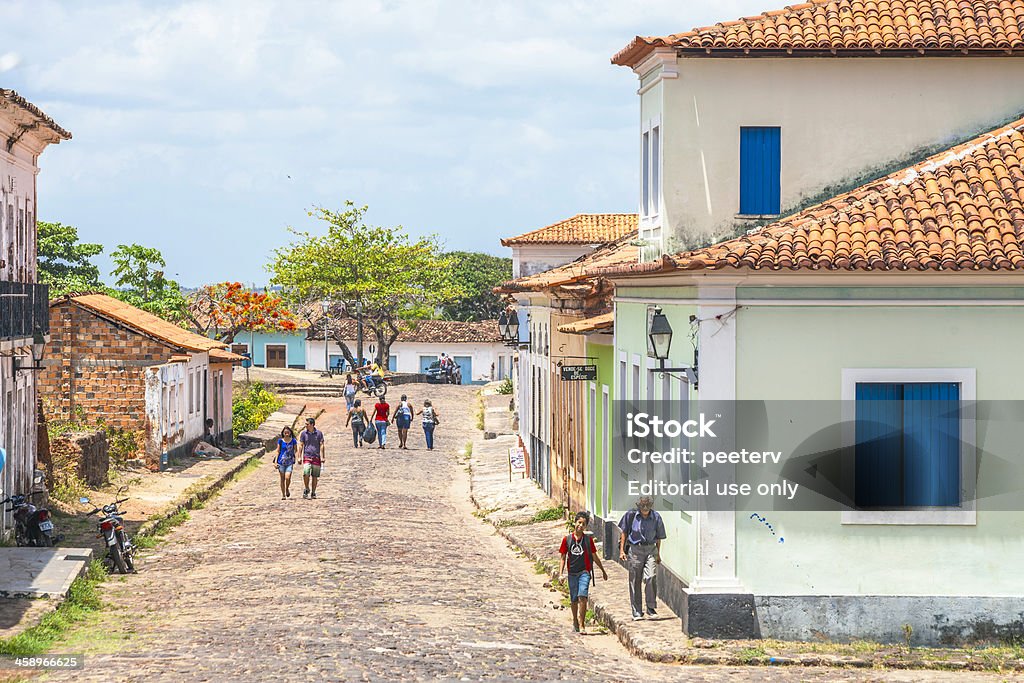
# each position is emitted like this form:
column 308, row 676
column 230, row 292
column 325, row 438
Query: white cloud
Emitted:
column 450, row 115
column 9, row 61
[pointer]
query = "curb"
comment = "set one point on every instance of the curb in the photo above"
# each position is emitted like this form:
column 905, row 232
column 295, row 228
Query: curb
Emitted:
column 190, row 501
column 705, row 655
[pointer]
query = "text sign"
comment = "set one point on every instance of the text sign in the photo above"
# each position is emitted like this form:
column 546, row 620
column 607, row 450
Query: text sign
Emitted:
column 579, row 373
column 516, row 462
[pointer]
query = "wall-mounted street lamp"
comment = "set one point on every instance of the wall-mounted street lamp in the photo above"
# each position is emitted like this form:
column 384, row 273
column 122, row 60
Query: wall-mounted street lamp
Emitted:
column 508, row 327
column 38, row 348
column 660, row 336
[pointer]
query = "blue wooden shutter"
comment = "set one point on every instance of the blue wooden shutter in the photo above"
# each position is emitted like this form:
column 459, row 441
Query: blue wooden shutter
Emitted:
column 760, row 170
column 878, row 470
column 931, row 450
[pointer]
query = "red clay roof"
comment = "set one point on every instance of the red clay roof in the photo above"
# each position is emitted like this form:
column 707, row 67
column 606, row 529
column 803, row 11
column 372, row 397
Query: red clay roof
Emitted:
column 619, row 253
column 426, row 331
column 855, row 27
column 583, row 228
column 961, row 209
column 17, row 100
column 141, row 321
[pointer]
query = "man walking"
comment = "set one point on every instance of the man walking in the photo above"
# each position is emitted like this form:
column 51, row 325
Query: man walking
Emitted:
column 642, row 530
column 312, row 441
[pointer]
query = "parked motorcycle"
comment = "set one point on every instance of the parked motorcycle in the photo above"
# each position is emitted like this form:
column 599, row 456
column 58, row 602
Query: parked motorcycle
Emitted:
column 120, row 549
column 33, row 526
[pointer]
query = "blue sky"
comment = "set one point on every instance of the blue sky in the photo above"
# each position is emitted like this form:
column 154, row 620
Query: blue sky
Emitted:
column 205, row 129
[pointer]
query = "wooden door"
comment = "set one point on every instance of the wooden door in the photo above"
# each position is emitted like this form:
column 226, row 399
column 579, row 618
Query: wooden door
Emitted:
column 277, row 356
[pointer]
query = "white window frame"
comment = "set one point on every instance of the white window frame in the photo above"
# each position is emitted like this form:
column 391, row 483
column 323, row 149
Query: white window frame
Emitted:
column 652, row 165
column 967, row 514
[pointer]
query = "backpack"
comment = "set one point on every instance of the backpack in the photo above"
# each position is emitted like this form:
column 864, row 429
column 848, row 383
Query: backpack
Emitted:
column 589, row 557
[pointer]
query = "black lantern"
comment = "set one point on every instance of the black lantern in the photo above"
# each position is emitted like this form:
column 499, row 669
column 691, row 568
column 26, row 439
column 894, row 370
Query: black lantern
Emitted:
column 513, row 327
column 38, row 348
column 503, row 326
column 660, row 335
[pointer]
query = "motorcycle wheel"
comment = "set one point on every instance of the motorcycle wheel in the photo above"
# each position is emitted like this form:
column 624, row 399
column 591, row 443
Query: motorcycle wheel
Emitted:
column 118, row 558
column 45, row 541
column 381, row 391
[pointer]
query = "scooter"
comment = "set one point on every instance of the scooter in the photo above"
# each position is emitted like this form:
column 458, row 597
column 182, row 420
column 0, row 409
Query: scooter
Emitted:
column 120, row 549
column 33, row 526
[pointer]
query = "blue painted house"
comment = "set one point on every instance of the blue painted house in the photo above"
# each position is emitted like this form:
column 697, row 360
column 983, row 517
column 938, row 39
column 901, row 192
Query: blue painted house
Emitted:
column 273, row 349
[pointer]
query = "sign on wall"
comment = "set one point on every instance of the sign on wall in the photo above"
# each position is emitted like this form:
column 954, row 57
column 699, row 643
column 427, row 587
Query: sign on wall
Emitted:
column 579, row 373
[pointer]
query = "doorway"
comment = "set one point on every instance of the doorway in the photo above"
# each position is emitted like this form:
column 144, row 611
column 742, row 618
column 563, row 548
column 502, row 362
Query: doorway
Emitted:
column 277, row 356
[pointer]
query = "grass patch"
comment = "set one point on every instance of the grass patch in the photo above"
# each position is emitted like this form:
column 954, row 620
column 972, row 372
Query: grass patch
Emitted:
column 482, row 513
column 480, row 411
column 539, row 567
column 82, row 601
column 468, row 450
column 161, row 529
column 751, row 655
column 548, row 515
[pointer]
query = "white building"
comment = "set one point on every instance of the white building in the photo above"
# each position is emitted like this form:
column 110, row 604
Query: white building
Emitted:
column 25, row 131
column 475, row 346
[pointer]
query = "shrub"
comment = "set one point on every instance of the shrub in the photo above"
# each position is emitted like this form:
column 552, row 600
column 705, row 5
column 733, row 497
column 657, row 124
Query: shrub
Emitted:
column 252, row 407
column 506, row 386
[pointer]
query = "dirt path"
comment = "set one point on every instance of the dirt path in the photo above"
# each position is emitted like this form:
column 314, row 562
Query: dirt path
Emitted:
column 387, row 576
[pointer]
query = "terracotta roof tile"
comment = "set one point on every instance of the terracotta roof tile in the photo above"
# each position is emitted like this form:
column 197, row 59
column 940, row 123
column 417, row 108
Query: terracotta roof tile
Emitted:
column 17, row 100
column 961, row 209
column 141, row 321
column 428, row 331
column 837, row 26
column 583, row 228
column 621, row 252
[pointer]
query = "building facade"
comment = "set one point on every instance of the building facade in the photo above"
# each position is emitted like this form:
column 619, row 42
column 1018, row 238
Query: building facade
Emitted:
column 109, row 361
column 748, row 120
column 25, row 132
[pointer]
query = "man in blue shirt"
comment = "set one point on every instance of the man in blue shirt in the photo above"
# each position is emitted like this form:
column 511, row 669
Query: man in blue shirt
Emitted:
column 642, row 530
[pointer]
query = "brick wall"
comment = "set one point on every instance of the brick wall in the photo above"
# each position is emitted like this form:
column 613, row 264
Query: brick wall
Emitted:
column 96, row 367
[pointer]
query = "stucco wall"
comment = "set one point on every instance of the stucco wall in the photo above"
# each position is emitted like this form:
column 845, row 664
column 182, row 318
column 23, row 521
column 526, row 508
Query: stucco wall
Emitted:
column 809, row 348
column 679, row 551
column 257, row 342
column 841, row 119
column 407, row 356
column 531, row 259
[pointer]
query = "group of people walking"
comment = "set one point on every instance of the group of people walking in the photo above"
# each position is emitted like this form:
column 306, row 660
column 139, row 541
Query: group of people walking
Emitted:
column 359, row 419
column 641, row 531
column 310, row 442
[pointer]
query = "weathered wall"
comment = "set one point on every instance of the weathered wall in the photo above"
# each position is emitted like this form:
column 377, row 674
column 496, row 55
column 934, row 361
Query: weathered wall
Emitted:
column 95, row 367
column 86, row 454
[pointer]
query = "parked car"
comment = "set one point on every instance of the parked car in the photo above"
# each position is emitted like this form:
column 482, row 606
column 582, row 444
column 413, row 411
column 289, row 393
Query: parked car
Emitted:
column 436, row 376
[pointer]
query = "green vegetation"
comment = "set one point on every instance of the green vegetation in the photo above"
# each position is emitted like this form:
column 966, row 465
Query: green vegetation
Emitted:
column 161, row 529
column 505, row 388
column 392, row 278
column 65, row 263
column 81, row 602
column 252, row 408
column 479, row 274
column 548, row 515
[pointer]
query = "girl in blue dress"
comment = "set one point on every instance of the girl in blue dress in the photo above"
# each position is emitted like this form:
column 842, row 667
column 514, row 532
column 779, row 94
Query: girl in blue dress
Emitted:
column 285, row 460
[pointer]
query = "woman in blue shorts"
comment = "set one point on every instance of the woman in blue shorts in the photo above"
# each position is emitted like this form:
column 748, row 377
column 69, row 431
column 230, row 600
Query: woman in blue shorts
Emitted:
column 285, row 460
column 403, row 418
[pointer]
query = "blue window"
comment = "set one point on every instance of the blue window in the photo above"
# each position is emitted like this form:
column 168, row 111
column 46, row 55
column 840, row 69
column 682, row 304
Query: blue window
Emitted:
column 392, row 363
column 760, row 170
column 907, row 451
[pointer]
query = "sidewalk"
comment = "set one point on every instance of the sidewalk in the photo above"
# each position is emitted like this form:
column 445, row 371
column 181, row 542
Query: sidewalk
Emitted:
column 511, row 506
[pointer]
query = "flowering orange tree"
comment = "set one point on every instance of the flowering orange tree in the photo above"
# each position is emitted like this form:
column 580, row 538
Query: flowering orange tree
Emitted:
column 225, row 309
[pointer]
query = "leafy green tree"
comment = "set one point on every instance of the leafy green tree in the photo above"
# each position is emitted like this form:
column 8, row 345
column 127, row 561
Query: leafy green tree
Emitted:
column 65, row 263
column 479, row 274
column 393, row 278
column 141, row 282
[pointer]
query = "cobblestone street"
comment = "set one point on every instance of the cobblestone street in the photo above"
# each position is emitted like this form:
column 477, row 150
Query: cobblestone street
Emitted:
column 386, row 576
